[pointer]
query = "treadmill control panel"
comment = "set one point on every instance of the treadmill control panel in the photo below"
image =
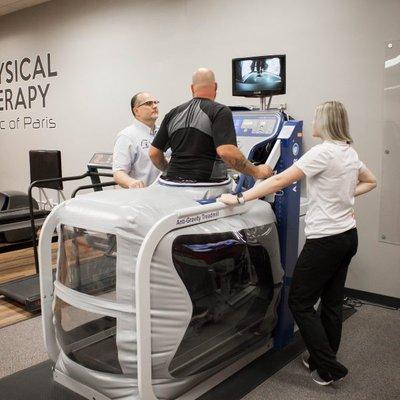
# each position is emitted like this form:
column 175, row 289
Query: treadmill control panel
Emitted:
column 257, row 124
column 101, row 160
column 253, row 127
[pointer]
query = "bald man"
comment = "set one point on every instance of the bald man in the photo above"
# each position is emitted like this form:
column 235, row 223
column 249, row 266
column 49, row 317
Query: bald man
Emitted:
column 202, row 138
column 132, row 168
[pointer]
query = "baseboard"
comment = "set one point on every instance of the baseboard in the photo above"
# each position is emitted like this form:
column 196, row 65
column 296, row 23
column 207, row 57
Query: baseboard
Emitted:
column 373, row 297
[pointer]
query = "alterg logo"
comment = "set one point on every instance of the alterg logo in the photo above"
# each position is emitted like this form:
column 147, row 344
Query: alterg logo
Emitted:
column 295, row 149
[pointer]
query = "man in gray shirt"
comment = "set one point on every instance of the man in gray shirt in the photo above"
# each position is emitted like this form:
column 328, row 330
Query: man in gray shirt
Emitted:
column 132, row 167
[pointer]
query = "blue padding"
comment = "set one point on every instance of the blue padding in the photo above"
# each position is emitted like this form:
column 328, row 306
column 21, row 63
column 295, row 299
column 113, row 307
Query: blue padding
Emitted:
column 207, row 201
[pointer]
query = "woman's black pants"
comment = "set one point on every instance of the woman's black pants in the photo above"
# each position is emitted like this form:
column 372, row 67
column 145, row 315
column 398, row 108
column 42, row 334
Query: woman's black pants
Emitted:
column 321, row 272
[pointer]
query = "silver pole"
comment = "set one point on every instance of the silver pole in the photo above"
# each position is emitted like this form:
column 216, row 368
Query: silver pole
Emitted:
column 262, row 103
column 269, row 102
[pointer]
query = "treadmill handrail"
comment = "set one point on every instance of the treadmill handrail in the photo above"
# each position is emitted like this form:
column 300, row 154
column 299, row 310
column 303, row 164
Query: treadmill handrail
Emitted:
column 179, row 219
column 274, row 155
column 272, row 161
column 92, row 186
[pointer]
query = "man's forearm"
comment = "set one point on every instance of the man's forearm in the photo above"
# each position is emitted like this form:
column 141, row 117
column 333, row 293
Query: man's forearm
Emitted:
column 125, row 181
column 234, row 158
column 158, row 158
column 241, row 164
column 160, row 162
column 121, row 178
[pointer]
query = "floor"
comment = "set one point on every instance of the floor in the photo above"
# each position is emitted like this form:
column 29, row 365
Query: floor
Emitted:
column 370, row 349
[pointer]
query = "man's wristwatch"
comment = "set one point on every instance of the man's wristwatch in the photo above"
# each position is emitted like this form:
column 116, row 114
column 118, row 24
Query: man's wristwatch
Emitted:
column 240, row 198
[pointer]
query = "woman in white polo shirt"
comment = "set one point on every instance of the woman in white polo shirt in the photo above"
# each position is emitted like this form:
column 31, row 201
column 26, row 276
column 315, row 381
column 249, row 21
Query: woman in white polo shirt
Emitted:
column 335, row 175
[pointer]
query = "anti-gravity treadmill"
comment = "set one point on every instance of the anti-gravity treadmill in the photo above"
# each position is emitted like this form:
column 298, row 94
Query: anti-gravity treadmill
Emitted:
column 155, row 294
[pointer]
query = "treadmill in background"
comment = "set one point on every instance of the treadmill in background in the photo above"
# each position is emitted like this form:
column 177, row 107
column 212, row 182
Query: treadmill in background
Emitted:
column 46, row 174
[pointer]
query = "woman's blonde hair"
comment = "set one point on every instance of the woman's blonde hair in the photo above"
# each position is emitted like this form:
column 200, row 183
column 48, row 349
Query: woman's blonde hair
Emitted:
column 331, row 121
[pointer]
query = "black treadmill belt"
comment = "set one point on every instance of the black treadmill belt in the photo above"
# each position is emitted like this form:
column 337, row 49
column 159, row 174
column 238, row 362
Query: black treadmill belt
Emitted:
column 22, row 289
column 100, row 356
column 25, row 291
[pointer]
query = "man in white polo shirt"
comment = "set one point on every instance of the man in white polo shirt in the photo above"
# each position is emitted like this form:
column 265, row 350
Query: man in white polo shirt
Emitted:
column 132, row 167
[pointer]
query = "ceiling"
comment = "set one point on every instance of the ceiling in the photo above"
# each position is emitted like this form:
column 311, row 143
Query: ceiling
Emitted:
column 9, row 6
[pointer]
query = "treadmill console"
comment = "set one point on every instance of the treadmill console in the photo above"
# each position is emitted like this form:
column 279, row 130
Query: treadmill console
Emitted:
column 101, row 160
column 256, row 126
column 252, row 127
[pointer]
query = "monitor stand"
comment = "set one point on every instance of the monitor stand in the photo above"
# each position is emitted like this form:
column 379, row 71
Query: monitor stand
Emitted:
column 263, row 102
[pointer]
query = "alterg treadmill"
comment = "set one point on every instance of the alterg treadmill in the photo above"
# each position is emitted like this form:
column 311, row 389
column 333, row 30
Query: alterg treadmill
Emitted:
column 150, row 301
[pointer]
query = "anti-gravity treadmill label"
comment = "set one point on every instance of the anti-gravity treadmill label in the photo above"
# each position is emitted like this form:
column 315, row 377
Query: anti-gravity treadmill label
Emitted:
column 25, row 86
column 196, row 219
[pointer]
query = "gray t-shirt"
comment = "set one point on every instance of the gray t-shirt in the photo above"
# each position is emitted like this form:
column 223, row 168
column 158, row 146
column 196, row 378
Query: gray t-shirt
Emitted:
column 131, row 153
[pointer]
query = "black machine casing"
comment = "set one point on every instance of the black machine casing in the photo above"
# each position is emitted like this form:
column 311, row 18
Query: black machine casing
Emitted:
column 14, row 203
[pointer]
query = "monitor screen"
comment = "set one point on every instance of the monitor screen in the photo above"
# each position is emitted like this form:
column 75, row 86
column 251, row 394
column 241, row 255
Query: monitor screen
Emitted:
column 259, row 76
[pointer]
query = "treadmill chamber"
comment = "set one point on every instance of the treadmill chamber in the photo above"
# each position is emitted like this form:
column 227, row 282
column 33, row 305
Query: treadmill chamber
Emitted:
column 214, row 290
column 229, row 278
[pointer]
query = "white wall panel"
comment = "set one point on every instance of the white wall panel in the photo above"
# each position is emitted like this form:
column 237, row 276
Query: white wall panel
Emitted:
column 105, row 50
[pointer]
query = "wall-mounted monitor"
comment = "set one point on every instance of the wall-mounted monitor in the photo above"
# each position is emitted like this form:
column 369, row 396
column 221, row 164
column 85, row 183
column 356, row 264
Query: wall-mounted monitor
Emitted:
column 259, row 76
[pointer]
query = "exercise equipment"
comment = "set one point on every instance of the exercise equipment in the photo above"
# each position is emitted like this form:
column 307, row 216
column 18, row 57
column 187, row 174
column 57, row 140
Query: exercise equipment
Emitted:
column 15, row 219
column 45, row 170
column 157, row 296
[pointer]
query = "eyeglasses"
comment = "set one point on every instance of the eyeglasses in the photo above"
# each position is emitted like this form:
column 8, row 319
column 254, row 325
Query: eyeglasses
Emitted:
column 149, row 103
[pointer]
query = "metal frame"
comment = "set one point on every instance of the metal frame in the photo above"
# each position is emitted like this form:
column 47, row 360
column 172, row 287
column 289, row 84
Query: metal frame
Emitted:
column 286, row 207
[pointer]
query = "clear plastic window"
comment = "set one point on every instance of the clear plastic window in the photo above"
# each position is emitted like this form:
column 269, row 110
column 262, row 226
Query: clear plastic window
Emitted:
column 230, row 279
column 88, row 261
column 87, row 338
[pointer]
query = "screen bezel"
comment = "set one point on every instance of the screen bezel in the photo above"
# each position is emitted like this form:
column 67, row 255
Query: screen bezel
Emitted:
column 259, row 93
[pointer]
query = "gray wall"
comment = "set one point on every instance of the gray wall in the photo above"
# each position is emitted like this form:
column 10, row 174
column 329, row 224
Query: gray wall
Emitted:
column 104, row 51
